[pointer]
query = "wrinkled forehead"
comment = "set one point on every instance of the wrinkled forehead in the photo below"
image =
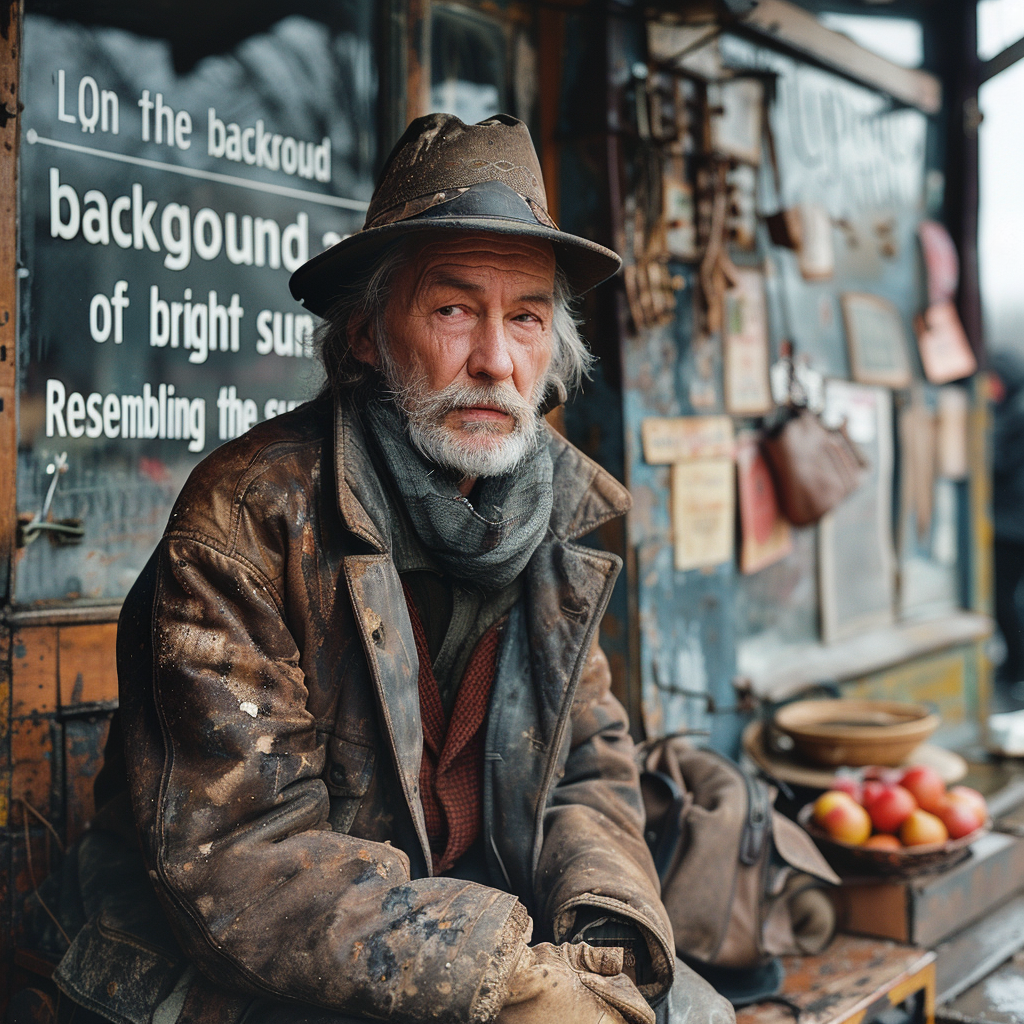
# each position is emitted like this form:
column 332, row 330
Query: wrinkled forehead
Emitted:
column 480, row 254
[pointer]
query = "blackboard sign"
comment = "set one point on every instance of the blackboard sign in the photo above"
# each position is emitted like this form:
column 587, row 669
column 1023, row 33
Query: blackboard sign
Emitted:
column 162, row 211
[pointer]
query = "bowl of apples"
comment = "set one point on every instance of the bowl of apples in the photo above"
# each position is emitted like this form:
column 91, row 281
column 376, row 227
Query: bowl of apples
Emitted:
column 896, row 822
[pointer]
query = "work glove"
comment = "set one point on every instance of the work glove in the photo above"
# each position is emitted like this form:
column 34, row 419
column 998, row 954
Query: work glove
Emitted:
column 573, row 984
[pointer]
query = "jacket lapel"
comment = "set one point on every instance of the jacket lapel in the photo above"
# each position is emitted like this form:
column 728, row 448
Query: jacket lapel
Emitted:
column 386, row 632
column 546, row 648
column 381, row 614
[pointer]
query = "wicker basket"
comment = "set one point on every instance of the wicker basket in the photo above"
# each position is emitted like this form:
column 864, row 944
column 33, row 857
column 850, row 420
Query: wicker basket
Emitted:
column 906, row 863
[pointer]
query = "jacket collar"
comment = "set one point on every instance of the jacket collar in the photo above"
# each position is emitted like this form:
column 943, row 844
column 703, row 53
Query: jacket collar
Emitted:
column 586, row 496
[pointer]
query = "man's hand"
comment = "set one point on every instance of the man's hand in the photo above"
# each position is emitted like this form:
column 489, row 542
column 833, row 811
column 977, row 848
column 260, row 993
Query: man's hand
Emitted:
column 573, row 983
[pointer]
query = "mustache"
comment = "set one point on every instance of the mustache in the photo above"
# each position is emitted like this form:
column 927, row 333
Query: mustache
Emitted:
column 462, row 396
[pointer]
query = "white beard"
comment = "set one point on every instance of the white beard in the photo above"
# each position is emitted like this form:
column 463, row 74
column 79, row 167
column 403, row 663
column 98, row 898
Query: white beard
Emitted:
column 477, row 449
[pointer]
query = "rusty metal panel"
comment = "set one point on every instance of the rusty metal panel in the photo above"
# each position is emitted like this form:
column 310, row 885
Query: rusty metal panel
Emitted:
column 84, row 742
column 88, row 666
column 32, row 762
column 34, row 671
column 30, row 862
column 10, row 54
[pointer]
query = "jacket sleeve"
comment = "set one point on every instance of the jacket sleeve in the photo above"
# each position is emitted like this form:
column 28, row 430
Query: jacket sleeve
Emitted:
column 594, row 854
column 224, row 762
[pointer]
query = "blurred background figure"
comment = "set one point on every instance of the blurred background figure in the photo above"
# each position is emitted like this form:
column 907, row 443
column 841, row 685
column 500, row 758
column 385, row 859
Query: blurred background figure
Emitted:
column 1008, row 515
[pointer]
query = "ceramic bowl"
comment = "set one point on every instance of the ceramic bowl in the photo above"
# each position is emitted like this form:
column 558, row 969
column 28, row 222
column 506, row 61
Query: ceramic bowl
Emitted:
column 855, row 732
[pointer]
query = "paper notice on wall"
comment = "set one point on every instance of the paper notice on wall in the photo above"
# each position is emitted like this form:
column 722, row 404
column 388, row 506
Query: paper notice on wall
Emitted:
column 765, row 536
column 679, row 438
column 951, row 441
column 745, row 354
column 945, row 351
column 703, row 510
column 815, row 253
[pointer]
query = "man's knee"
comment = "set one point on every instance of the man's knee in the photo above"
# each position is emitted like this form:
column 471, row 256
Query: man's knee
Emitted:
column 692, row 1000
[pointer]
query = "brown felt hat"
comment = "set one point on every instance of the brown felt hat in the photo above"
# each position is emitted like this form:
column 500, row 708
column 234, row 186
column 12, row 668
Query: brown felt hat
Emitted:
column 443, row 174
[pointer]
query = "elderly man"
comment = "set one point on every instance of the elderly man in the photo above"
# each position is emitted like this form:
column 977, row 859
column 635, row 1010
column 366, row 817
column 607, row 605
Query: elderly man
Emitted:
column 370, row 744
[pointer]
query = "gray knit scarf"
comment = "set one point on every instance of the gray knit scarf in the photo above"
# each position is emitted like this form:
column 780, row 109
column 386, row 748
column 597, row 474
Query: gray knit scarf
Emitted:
column 485, row 544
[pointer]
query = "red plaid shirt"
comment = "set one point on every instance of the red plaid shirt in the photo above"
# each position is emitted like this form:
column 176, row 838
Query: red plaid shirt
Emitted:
column 451, row 771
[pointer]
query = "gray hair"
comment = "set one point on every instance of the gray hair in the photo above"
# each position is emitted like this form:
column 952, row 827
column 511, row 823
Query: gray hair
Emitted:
column 364, row 303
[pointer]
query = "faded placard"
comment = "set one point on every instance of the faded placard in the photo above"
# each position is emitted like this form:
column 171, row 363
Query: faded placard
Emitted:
column 737, row 118
column 815, row 252
column 765, row 536
column 682, row 438
column 703, row 510
column 745, row 354
column 876, row 339
column 856, row 560
column 945, row 351
column 951, row 442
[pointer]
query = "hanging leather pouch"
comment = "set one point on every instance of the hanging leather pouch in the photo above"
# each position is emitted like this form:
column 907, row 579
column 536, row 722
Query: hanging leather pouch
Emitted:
column 814, row 467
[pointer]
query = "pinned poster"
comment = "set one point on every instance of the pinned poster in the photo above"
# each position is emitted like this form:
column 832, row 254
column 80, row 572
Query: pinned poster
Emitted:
column 952, row 440
column 703, row 511
column 945, row 351
column 765, row 536
column 876, row 340
column 679, row 438
column 745, row 352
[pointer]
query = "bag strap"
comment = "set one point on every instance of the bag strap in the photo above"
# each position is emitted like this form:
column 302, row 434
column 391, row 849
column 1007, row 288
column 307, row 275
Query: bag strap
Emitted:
column 663, row 844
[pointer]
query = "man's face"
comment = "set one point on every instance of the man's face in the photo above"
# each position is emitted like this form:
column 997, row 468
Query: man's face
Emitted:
column 469, row 341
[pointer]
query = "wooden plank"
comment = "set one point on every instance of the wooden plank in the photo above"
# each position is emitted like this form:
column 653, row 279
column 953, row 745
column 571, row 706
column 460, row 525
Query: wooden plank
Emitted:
column 550, row 58
column 799, row 31
column 979, row 949
column 878, row 909
column 996, row 999
column 31, row 767
column 417, row 59
column 9, row 122
column 88, row 666
column 64, row 615
column 34, row 671
column 841, row 985
column 795, row 667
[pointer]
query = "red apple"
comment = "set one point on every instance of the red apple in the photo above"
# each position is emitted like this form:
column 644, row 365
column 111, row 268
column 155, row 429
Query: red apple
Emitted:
column 891, row 808
column 883, row 841
column 829, row 800
column 973, row 796
column 926, row 786
column 960, row 816
column 847, row 822
column 872, row 790
column 922, row 828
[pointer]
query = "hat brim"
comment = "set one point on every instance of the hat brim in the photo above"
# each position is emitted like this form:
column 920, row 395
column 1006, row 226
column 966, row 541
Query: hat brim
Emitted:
column 318, row 283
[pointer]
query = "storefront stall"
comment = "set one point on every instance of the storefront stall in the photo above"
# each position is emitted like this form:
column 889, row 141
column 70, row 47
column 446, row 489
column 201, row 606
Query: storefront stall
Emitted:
column 772, row 186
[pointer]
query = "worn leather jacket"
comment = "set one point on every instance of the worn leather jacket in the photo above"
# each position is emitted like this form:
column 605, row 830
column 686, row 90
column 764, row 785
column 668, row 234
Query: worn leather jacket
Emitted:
column 273, row 740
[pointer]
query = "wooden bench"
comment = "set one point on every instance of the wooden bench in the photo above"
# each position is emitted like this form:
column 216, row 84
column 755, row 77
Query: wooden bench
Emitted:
column 852, row 982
